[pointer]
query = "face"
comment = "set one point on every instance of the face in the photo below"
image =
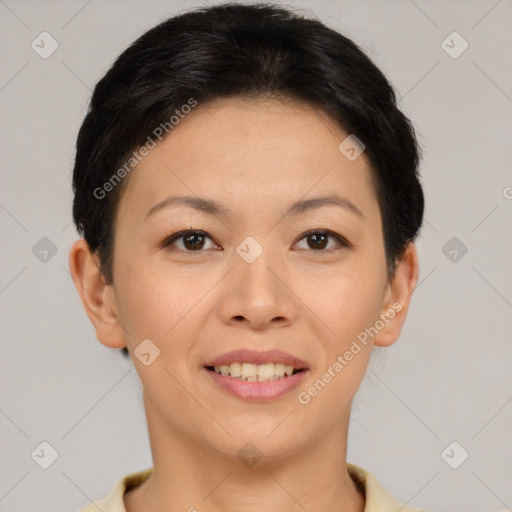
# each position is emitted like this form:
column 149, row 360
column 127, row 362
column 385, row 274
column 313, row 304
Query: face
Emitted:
column 252, row 274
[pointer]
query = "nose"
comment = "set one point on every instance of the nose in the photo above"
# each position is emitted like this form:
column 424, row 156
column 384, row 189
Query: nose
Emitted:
column 259, row 294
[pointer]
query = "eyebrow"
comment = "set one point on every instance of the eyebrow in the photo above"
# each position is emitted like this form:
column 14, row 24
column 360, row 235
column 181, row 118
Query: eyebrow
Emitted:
column 211, row 207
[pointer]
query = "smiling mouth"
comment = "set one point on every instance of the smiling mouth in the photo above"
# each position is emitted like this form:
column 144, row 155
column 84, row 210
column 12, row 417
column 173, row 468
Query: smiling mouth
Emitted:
column 248, row 372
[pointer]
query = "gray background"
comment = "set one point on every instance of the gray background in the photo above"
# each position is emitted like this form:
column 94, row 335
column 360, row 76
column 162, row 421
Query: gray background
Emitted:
column 447, row 379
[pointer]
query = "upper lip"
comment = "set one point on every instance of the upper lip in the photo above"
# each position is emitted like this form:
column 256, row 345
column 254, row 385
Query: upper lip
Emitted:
column 255, row 357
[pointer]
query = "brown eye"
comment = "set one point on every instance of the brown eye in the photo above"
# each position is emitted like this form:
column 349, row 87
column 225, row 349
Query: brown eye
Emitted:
column 196, row 241
column 191, row 241
column 319, row 240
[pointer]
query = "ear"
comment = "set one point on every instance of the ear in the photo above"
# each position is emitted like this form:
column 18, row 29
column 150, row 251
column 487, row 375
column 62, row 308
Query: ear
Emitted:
column 397, row 297
column 98, row 298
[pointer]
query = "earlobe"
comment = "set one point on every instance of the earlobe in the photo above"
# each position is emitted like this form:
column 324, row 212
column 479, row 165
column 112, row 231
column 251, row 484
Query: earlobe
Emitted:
column 97, row 297
column 398, row 296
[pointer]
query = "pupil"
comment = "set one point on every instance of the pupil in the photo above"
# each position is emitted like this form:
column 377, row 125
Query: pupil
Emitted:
column 315, row 237
column 195, row 244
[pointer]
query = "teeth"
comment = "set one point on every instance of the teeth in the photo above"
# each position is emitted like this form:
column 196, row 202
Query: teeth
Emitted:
column 235, row 370
column 249, row 370
column 265, row 371
column 255, row 372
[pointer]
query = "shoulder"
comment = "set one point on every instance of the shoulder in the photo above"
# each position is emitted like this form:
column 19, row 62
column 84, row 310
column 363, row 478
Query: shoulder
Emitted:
column 114, row 501
column 378, row 499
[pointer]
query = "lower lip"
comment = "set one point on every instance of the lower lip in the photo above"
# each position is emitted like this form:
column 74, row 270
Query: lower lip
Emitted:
column 257, row 391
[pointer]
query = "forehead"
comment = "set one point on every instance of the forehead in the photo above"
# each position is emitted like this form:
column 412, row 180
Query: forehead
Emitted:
column 251, row 150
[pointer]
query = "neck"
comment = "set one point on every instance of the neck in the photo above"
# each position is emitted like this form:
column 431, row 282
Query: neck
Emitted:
column 188, row 476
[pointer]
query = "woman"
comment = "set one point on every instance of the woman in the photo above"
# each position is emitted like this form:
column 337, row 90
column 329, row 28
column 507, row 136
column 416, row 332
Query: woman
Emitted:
column 247, row 191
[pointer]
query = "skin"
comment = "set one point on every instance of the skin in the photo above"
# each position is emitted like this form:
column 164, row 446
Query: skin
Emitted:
column 255, row 157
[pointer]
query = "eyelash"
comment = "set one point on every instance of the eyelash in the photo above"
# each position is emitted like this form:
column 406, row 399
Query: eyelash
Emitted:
column 344, row 243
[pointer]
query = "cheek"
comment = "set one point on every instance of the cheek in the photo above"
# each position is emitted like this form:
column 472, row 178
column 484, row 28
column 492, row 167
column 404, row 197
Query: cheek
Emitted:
column 152, row 306
column 348, row 301
column 161, row 310
column 348, row 306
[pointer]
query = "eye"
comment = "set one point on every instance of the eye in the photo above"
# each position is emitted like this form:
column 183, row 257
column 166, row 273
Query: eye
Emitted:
column 194, row 241
column 318, row 240
column 191, row 241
